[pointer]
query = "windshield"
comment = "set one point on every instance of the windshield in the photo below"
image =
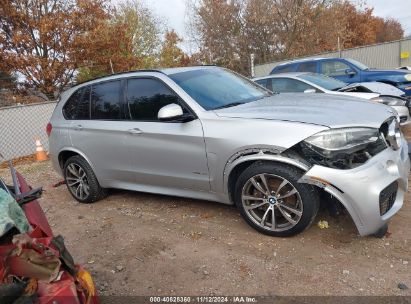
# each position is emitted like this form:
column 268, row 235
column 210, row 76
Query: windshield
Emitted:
column 359, row 65
column 323, row 81
column 215, row 88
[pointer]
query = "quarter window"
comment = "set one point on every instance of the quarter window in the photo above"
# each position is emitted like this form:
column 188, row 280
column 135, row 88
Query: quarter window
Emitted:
column 106, row 101
column 334, row 68
column 146, row 97
column 78, row 105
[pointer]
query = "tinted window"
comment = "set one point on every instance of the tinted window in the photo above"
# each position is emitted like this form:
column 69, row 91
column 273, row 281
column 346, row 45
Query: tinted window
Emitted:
column 333, row 68
column 216, row 88
column 147, row 96
column 105, row 100
column 265, row 83
column 78, row 105
column 325, row 82
column 284, row 68
column 262, row 82
column 307, row 67
column 288, row 85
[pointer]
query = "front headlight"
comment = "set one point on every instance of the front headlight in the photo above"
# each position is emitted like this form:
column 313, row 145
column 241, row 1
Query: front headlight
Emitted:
column 390, row 101
column 343, row 139
column 407, row 77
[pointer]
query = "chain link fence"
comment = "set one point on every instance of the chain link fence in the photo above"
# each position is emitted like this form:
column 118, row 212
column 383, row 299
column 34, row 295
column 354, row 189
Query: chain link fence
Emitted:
column 21, row 125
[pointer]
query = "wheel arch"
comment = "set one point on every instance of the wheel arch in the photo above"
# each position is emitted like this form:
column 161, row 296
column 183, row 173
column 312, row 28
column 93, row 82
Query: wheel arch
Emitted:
column 233, row 169
column 66, row 153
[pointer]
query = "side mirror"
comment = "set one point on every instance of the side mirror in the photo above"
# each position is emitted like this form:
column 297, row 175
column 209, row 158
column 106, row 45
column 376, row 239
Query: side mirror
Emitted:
column 174, row 112
column 350, row 72
column 309, row 91
column 170, row 112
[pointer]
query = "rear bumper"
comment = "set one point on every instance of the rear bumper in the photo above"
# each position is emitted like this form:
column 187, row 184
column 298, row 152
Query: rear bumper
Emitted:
column 360, row 189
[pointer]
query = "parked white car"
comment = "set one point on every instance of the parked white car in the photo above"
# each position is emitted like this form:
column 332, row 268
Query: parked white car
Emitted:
column 317, row 83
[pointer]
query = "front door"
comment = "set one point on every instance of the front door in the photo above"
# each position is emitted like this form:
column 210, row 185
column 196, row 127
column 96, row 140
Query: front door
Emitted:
column 166, row 154
column 339, row 70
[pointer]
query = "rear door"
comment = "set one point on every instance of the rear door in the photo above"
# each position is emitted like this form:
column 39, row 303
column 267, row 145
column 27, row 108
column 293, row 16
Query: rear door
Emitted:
column 103, row 136
column 309, row 66
column 166, row 154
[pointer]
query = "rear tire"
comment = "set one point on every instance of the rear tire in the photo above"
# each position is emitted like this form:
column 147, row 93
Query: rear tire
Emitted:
column 266, row 190
column 81, row 181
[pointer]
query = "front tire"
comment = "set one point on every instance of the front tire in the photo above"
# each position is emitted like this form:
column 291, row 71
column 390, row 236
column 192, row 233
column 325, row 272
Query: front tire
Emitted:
column 81, row 181
column 272, row 201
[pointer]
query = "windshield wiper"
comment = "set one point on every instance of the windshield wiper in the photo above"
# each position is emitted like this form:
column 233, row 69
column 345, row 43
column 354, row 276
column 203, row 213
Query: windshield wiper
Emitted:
column 229, row 105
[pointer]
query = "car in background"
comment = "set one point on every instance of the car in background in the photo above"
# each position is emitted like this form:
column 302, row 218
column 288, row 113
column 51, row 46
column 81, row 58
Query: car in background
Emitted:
column 208, row 133
column 404, row 68
column 303, row 82
column 349, row 71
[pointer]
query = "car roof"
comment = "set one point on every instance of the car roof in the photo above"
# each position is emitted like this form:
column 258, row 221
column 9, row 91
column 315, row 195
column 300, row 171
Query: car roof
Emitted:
column 166, row 71
column 307, row 59
column 279, row 75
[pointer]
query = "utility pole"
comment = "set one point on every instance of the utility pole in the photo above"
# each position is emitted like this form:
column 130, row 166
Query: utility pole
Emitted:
column 111, row 65
column 252, row 57
column 339, row 47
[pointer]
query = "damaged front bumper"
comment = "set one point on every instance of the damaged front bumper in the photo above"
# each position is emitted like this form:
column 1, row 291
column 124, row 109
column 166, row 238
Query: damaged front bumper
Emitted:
column 373, row 192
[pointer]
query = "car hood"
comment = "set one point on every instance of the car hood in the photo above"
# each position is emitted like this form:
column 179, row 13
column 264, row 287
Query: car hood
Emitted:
column 376, row 87
column 318, row 109
column 393, row 72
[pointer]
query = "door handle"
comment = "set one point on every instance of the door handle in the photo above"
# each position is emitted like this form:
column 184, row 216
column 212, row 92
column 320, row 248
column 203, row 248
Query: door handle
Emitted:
column 134, row 131
column 78, row 127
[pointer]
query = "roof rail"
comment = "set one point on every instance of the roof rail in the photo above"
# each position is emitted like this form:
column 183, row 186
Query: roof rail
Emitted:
column 132, row 71
column 115, row 74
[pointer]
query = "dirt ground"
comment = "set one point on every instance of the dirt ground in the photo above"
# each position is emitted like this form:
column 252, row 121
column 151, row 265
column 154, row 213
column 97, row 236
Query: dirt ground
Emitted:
column 143, row 244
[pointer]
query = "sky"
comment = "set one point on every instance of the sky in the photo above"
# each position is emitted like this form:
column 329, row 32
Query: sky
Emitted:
column 174, row 12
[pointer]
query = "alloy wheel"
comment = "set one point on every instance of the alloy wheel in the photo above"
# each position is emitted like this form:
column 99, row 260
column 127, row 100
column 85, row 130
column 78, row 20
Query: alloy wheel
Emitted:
column 77, row 181
column 272, row 202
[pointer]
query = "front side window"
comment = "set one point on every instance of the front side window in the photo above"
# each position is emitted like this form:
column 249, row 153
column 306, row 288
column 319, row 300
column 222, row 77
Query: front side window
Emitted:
column 325, row 82
column 215, row 88
column 334, row 68
column 146, row 96
column 106, row 101
column 77, row 106
column 288, row 85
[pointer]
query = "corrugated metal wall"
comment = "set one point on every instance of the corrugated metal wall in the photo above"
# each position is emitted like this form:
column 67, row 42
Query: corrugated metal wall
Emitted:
column 384, row 56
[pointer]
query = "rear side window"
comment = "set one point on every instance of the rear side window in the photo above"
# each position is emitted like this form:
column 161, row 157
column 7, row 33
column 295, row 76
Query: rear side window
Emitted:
column 288, row 85
column 147, row 96
column 266, row 83
column 307, row 67
column 283, row 68
column 106, row 101
column 77, row 106
column 262, row 82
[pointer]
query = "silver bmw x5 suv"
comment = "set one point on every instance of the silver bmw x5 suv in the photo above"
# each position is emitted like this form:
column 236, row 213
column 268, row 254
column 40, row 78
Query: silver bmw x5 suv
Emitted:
column 208, row 133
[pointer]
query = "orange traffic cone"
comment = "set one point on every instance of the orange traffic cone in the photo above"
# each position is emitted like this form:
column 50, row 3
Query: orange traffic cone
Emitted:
column 41, row 155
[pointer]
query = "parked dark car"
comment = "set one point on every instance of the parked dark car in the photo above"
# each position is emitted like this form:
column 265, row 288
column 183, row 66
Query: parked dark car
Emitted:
column 349, row 71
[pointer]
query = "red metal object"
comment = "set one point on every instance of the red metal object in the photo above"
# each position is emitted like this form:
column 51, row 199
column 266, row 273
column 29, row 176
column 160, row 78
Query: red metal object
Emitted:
column 33, row 211
column 34, row 255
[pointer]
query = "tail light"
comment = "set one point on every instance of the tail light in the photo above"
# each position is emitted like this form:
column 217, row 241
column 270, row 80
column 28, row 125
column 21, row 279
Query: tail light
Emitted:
column 49, row 128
